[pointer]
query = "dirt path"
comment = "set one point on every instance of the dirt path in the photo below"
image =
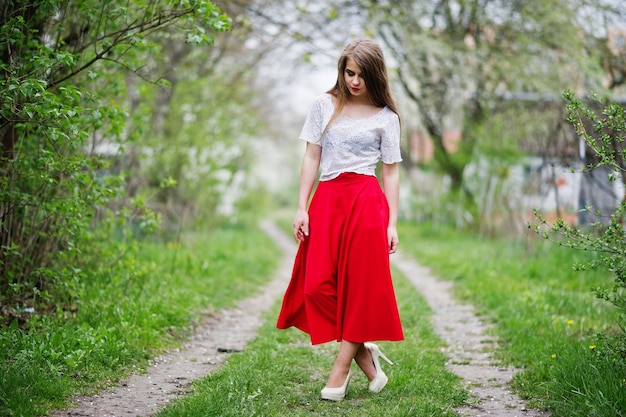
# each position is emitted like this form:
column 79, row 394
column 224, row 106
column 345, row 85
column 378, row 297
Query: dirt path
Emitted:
column 469, row 347
column 170, row 375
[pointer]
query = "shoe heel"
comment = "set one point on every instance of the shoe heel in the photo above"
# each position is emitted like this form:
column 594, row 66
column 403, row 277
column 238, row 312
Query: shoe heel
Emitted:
column 382, row 355
column 380, row 380
column 376, row 352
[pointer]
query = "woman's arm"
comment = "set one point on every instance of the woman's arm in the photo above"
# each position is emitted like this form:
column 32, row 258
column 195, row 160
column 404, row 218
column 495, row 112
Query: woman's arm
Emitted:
column 391, row 188
column 308, row 175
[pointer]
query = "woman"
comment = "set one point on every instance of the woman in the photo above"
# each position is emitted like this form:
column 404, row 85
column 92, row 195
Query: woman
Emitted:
column 341, row 287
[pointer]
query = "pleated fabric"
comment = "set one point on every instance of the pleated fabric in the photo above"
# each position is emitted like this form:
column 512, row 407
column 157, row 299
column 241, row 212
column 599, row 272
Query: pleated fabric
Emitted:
column 341, row 286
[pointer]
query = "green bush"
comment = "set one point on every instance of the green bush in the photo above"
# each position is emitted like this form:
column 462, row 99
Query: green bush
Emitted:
column 603, row 131
column 63, row 208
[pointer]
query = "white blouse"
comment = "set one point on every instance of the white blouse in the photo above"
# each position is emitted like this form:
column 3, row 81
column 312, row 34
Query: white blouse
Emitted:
column 352, row 145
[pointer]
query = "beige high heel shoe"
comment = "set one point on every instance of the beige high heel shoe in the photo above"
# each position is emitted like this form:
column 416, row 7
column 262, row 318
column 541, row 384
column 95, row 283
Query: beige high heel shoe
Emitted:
column 380, row 380
column 337, row 394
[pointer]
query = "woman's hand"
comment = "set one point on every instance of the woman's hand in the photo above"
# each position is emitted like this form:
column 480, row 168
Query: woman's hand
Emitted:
column 392, row 239
column 301, row 225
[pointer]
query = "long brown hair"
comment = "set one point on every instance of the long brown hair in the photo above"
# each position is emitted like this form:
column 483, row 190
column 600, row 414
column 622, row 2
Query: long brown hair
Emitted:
column 368, row 55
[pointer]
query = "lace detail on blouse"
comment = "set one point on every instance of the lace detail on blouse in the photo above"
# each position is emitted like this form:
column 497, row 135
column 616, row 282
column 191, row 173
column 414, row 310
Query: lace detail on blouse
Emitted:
column 352, row 145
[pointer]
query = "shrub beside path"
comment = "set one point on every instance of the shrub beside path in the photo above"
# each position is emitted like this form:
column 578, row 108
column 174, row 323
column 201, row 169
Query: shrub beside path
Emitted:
column 171, row 374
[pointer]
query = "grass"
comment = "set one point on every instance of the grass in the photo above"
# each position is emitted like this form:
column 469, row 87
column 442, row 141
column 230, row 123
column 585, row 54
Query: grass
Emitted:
column 545, row 314
column 281, row 374
column 123, row 319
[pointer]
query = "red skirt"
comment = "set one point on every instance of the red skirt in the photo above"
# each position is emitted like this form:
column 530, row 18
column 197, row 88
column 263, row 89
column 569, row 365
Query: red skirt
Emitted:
column 341, row 286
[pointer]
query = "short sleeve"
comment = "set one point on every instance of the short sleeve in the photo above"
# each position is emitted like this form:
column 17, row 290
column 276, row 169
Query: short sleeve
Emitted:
column 313, row 125
column 390, row 140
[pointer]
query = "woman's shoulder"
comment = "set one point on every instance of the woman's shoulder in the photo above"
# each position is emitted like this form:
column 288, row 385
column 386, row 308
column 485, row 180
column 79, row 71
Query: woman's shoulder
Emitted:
column 389, row 114
column 324, row 102
column 325, row 99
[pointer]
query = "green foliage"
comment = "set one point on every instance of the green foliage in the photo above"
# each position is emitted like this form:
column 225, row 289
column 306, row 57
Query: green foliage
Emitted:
column 548, row 322
column 61, row 205
column 604, row 134
column 203, row 149
column 52, row 188
column 603, row 131
column 129, row 312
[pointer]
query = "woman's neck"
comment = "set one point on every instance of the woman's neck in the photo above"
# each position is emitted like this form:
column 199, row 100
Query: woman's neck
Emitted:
column 360, row 101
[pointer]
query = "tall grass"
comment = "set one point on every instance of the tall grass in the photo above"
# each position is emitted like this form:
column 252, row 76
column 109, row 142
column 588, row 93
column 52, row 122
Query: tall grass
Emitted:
column 124, row 319
column 281, row 374
column 549, row 321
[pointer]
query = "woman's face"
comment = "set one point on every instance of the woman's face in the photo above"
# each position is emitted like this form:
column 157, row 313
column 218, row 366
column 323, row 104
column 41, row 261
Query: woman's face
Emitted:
column 354, row 79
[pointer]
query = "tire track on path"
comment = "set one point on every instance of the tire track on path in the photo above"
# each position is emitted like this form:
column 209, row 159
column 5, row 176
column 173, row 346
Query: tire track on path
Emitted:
column 469, row 347
column 170, row 375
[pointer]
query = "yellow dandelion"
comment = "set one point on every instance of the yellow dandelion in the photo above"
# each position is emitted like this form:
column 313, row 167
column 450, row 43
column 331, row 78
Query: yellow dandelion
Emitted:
column 554, row 356
column 570, row 322
column 592, row 347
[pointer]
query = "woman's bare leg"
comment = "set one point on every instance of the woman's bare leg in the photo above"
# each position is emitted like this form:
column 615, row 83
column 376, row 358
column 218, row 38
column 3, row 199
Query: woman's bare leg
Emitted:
column 363, row 358
column 339, row 373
